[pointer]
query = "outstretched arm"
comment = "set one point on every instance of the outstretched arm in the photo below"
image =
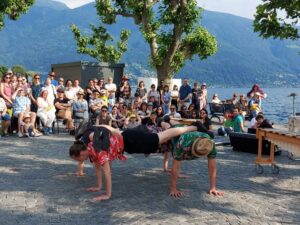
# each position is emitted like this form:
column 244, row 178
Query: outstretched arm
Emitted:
column 174, row 175
column 212, row 172
column 99, row 179
column 107, row 174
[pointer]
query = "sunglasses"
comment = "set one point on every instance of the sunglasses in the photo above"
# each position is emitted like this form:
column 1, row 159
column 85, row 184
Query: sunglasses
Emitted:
column 61, row 80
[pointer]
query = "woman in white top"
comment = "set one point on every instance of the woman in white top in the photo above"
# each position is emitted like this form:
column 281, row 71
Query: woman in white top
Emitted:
column 215, row 99
column 46, row 111
column 153, row 92
column 70, row 91
column 52, row 94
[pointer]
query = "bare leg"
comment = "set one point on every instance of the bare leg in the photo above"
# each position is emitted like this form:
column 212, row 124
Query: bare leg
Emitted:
column 174, row 132
column 166, row 161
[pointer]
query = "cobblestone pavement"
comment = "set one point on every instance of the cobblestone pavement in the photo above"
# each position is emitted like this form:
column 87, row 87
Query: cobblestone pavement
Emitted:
column 38, row 186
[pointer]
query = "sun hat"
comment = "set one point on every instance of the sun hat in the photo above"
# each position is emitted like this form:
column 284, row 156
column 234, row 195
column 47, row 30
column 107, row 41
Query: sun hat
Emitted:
column 257, row 94
column 215, row 95
column 150, row 104
column 9, row 71
column 201, row 147
column 80, row 92
column 203, row 84
column 132, row 116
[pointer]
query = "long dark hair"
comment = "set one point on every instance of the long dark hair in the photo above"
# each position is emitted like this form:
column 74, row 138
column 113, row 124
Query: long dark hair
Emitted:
column 76, row 148
column 258, row 90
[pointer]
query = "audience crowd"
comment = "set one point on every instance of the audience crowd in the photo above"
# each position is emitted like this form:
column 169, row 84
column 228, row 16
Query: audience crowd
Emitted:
column 30, row 109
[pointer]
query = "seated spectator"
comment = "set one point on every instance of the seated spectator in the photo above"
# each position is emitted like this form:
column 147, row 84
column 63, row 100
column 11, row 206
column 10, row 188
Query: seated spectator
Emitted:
column 228, row 124
column 135, row 106
column 21, row 106
column 96, row 103
column 143, row 110
column 235, row 99
column 238, row 123
column 155, row 94
column 100, row 84
column 173, row 113
column 261, row 122
column 194, row 114
column 64, row 109
column 4, row 116
column 46, row 112
column 80, row 107
column 26, row 127
column 184, row 112
column 255, row 104
column 150, row 108
column 215, row 99
column 89, row 90
column 174, row 95
column 205, row 120
column 132, row 121
column 36, row 90
column 124, row 111
column 154, row 103
column 117, row 118
column 52, row 94
column 242, row 104
column 104, row 96
column 104, row 118
column 6, row 89
column 160, row 112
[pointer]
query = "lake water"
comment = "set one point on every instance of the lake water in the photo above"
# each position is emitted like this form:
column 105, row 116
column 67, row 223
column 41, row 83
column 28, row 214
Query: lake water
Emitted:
column 277, row 107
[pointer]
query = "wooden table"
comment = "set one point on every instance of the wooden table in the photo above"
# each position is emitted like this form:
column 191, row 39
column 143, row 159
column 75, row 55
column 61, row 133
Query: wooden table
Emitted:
column 285, row 140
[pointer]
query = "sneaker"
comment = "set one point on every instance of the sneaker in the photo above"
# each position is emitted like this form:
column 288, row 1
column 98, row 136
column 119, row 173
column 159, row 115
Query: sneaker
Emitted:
column 36, row 134
column 26, row 135
column 20, row 135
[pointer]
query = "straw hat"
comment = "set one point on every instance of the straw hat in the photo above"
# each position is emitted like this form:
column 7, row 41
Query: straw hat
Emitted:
column 257, row 94
column 80, row 92
column 26, row 116
column 202, row 146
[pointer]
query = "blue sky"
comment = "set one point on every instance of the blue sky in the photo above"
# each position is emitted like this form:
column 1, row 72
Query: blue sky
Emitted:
column 244, row 8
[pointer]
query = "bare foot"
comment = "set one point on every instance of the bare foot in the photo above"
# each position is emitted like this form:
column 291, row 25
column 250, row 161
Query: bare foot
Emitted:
column 93, row 189
column 176, row 194
column 80, row 174
column 101, row 198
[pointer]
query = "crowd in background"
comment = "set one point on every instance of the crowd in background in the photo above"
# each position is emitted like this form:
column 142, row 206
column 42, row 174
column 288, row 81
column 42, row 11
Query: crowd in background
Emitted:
column 30, row 109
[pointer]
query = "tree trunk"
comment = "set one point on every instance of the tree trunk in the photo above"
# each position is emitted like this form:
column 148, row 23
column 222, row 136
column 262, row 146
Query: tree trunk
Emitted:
column 164, row 73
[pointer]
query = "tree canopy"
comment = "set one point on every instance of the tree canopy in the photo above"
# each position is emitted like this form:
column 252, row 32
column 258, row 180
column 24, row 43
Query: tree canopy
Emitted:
column 278, row 19
column 170, row 27
column 13, row 9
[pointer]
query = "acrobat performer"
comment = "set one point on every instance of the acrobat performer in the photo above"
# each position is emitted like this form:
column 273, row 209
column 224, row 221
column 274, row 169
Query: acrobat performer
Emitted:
column 190, row 146
column 105, row 144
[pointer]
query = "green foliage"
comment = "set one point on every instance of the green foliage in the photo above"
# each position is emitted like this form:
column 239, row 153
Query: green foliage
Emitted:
column 172, row 32
column 13, row 9
column 99, row 44
column 18, row 69
column 269, row 21
column 3, row 70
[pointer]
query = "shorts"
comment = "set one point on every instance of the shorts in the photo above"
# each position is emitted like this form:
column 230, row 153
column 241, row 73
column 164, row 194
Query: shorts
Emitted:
column 6, row 117
column 140, row 140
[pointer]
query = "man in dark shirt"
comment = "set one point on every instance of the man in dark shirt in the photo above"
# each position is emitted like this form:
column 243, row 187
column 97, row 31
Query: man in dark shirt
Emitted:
column 195, row 96
column 185, row 94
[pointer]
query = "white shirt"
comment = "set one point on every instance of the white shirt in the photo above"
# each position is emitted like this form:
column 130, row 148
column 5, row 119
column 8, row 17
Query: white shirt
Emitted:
column 111, row 88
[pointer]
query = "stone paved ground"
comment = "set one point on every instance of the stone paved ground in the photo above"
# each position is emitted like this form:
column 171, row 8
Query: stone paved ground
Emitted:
column 38, row 186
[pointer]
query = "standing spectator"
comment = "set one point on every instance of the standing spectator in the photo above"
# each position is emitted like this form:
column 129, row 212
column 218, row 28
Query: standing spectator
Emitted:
column 89, row 90
column 76, row 87
column 36, row 89
column 204, row 95
column 21, row 106
column 185, row 94
column 54, row 82
column 175, row 95
column 255, row 88
column 51, row 91
column 111, row 88
column 154, row 93
column 166, row 99
column 64, row 109
column 6, row 90
column 160, row 87
column 46, row 111
column 61, row 85
column 80, row 107
column 100, row 84
column 142, row 91
column 124, row 89
column 4, row 116
column 195, row 96
column 104, row 118
column 238, row 123
column 13, row 81
column 70, row 93
column 242, row 104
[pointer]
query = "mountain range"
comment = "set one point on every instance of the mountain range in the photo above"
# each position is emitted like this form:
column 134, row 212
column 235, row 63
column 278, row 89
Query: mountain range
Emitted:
column 43, row 37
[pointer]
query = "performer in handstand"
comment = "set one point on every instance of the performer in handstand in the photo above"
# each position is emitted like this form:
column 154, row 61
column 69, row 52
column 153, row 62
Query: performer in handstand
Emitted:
column 104, row 144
